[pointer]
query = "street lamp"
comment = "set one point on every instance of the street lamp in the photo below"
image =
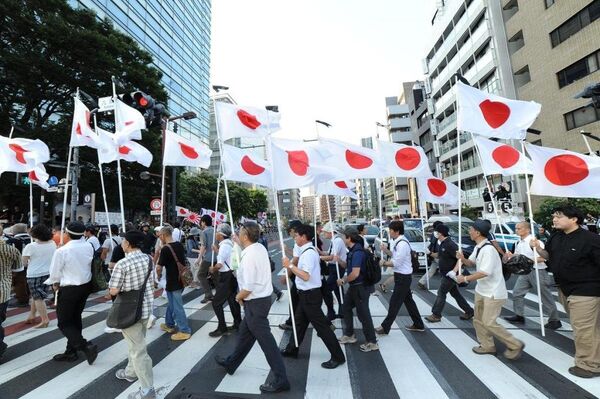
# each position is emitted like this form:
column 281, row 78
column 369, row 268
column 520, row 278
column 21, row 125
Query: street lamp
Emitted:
column 218, row 88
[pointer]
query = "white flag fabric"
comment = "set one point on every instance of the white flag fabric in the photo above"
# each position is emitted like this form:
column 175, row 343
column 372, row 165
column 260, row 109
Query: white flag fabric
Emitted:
column 22, row 155
column 217, row 217
column 301, row 164
column 562, row 173
column 245, row 166
column 437, row 191
column 82, row 134
column 341, row 187
column 130, row 122
column 241, row 121
column 182, row 212
column 353, row 161
column 131, row 151
column 403, row 160
column 489, row 115
column 39, row 177
column 108, row 150
column 500, row 158
column 183, row 152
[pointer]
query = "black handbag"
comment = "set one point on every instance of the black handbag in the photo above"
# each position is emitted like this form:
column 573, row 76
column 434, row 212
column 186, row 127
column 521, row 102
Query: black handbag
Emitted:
column 127, row 308
column 519, row 264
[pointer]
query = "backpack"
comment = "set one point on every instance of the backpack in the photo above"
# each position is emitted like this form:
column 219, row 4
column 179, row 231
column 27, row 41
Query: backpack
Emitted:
column 98, row 277
column 414, row 257
column 372, row 269
column 185, row 272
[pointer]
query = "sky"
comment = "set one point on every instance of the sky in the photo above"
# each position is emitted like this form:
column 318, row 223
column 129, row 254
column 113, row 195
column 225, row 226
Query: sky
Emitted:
column 332, row 60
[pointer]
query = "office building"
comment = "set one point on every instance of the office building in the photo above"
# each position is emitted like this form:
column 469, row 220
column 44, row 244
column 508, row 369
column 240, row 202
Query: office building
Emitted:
column 308, row 209
column 366, row 190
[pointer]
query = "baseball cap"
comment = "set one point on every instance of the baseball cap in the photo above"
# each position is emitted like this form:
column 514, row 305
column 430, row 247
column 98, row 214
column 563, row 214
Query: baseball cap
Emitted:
column 482, row 226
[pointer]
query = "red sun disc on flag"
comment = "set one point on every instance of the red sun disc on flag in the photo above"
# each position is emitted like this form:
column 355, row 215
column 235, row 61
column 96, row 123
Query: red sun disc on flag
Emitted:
column 19, row 152
column 188, row 151
column 248, row 119
column 124, row 150
column 250, row 167
column 495, row 113
column 33, row 176
column 358, row 161
column 437, row 187
column 566, row 170
column 505, row 156
column 341, row 184
column 408, row 158
column 213, row 214
column 298, row 161
column 183, row 211
column 222, row 217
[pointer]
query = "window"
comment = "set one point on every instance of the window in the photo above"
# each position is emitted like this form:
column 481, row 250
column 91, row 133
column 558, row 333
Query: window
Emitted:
column 574, row 24
column 579, row 69
column 581, row 116
column 549, row 3
column 522, row 76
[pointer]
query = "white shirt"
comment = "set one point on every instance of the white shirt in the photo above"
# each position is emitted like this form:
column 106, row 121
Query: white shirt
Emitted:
column 95, row 242
column 72, row 264
column 296, row 251
column 176, row 235
column 310, row 263
column 224, row 256
column 523, row 248
column 254, row 274
column 40, row 256
column 488, row 262
column 365, row 243
column 401, row 256
column 110, row 245
column 338, row 248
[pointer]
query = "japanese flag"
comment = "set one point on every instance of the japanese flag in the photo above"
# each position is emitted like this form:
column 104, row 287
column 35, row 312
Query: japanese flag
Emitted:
column 403, row 160
column 22, row 155
column 299, row 164
column 245, row 166
column 500, row 158
column 215, row 215
column 354, row 161
column 39, row 177
column 437, row 191
column 240, row 121
column 183, row 152
column 489, row 115
column 182, row 212
column 131, row 151
column 562, row 173
column 82, row 134
column 130, row 122
column 341, row 188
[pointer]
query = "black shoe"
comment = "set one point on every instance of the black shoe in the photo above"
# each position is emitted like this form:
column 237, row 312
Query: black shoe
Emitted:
column 582, row 373
column 290, row 353
column 91, row 353
column 339, row 316
column 515, row 319
column 285, row 326
column 553, row 324
column 66, row 357
column 331, row 364
column 206, row 300
column 278, row 295
column 218, row 332
column 234, row 327
column 3, row 347
column 272, row 388
column 221, row 361
column 331, row 316
column 466, row 316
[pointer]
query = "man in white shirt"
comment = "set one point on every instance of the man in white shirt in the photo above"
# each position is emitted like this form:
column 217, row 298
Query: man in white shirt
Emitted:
column 109, row 245
column 227, row 285
column 490, row 294
column 308, row 282
column 70, row 276
column 336, row 261
column 254, row 278
column 528, row 281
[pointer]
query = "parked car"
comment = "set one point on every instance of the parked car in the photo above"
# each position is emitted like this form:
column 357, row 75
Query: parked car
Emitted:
column 414, row 237
column 413, row 223
column 467, row 244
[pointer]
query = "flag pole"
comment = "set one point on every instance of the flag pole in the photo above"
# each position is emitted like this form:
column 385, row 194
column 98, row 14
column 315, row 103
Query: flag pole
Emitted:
column 423, row 218
column 337, row 267
column 212, row 257
column 103, row 187
column 12, row 130
column 315, row 212
column 162, row 194
column 459, row 199
column 66, row 189
column 114, row 88
column 30, row 203
column 535, row 253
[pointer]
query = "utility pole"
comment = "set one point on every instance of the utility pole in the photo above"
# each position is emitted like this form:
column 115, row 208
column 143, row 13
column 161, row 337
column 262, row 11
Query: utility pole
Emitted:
column 74, row 189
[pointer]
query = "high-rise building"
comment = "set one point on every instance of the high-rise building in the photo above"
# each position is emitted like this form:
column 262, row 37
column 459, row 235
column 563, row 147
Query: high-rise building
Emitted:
column 290, row 204
column 470, row 40
column 308, row 209
column 324, row 208
column 366, row 189
column 177, row 34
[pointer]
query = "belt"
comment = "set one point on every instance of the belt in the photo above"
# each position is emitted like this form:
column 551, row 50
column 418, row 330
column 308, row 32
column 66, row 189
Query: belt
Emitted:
column 307, row 291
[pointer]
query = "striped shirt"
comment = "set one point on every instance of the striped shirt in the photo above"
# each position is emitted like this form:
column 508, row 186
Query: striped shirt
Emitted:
column 129, row 274
column 10, row 260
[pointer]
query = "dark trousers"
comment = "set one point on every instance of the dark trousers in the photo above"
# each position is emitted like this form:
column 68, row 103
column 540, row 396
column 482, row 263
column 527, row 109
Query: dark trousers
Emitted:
column 448, row 285
column 402, row 295
column 19, row 283
column 203, row 275
column 227, row 288
column 71, row 302
column 255, row 327
column 294, row 296
column 332, row 283
column 309, row 311
column 327, row 296
column 357, row 297
column 3, row 308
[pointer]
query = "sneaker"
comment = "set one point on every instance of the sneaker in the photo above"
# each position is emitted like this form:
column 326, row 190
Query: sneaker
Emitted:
column 514, row 354
column 414, row 327
column 218, row 332
column 344, row 339
column 141, row 394
column 180, row 336
column 369, row 346
column 433, row 318
column 122, row 375
column 151, row 321
column 110, row 330
column 482, row 351
column 421, row 286
column 553, row 324
column 166, row 328
column 381, row 331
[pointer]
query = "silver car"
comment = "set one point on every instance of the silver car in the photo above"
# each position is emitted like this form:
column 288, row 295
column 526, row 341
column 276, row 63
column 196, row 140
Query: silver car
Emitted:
column 414, row 237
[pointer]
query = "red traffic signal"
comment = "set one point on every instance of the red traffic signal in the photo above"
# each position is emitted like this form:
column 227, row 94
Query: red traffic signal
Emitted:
column 142, row 100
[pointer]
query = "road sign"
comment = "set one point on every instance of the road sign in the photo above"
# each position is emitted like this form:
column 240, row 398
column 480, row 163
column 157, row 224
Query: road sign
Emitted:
column 87, row 199
column 156, row 205
column 113, row 218
column 105, row 104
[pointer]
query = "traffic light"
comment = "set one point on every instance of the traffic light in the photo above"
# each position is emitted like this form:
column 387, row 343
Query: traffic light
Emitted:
column 152, row 110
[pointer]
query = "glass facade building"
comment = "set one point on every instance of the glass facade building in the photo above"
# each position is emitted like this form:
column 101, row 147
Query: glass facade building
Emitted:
column 177, row 34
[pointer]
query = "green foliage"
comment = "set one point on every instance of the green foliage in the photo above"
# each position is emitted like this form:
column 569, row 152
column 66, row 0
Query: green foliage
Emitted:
column 543, row 215
column 469, row 212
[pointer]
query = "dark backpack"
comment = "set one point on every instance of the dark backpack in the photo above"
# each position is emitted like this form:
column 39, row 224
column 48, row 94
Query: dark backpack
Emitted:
column 98, row 277
column 372, row 269
column 414, row 257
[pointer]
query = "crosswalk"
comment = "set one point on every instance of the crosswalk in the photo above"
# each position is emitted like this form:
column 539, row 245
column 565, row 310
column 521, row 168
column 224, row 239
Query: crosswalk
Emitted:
column 435, row 364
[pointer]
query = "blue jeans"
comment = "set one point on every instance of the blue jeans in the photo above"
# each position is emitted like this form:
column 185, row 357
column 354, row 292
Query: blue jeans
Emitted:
column 175, row 315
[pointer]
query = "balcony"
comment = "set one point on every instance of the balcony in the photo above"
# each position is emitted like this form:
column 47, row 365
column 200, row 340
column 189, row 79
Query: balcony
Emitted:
column 449, row 149
column 446, row 125
column 401, row 137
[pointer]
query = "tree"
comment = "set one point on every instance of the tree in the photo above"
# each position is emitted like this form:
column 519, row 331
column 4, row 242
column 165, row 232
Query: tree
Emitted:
column 48, row 50
column 469, row 212
column 543, row 215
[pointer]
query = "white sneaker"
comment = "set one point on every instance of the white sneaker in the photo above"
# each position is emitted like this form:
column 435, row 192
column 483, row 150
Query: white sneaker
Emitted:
column 151, row 321
column 344, row 339
column 110, row 330
column 369, row 346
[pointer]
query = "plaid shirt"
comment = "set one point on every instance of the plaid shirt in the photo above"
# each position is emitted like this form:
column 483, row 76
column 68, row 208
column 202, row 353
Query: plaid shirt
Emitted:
column 129, row 274
column 10, row 260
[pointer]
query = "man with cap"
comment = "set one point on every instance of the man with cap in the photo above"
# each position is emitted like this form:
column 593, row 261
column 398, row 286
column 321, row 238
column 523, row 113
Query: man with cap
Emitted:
column 308, row 283
column 227, row 286
column 447, row 261
column 70, row 276
column 129, row 274
column 336, row 261
column 490, row 294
